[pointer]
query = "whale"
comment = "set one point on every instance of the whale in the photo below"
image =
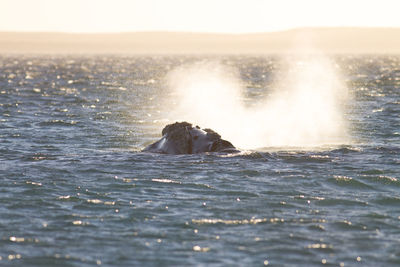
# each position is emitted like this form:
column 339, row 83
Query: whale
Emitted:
column 184, row 138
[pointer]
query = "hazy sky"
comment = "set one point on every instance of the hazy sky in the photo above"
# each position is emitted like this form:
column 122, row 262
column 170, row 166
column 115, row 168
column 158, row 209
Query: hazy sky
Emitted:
column 231, row 16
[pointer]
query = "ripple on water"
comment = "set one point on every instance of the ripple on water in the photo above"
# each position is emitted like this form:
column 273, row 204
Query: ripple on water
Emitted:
column 236, row 222
column 63, row 123
column 340, row 201
column 349, row 182
column 388, row 201
column 382, row 180
column 39, row 157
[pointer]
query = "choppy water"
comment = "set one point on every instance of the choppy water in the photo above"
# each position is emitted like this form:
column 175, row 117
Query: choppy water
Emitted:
column 76, row 191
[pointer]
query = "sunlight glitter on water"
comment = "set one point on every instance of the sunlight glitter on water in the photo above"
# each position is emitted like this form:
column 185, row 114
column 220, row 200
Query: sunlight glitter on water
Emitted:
column 245, row 221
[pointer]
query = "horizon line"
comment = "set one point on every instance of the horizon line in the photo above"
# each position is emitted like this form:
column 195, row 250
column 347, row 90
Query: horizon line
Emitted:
column 205, row 32
column 376, row 40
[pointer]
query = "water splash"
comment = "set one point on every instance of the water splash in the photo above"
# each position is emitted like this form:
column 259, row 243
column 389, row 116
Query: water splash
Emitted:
column 304, row 109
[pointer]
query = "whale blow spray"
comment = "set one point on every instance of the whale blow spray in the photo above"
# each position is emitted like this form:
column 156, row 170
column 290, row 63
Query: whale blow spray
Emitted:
column 303, row 110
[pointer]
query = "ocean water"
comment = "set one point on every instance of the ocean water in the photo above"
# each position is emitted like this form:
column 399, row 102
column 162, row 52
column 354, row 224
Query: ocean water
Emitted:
column 75, row 190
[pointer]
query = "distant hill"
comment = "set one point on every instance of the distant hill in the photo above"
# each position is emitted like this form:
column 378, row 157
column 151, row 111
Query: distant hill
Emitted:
column 326, row 40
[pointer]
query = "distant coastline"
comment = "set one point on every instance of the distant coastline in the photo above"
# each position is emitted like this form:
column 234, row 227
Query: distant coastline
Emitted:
column 325, row 40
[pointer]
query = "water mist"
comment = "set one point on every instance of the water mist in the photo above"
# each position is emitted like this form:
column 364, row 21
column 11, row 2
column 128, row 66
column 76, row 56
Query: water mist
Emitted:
column 303, row 110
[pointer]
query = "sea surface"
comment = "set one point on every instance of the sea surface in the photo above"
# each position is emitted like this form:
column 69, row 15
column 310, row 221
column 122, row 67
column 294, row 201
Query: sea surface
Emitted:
column 75, row 190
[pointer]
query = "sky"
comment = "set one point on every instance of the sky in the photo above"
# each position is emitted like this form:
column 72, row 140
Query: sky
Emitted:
column 215, row 16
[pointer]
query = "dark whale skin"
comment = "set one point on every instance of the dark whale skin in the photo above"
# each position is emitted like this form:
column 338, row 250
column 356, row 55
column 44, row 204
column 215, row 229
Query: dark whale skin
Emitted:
column 183, row 138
